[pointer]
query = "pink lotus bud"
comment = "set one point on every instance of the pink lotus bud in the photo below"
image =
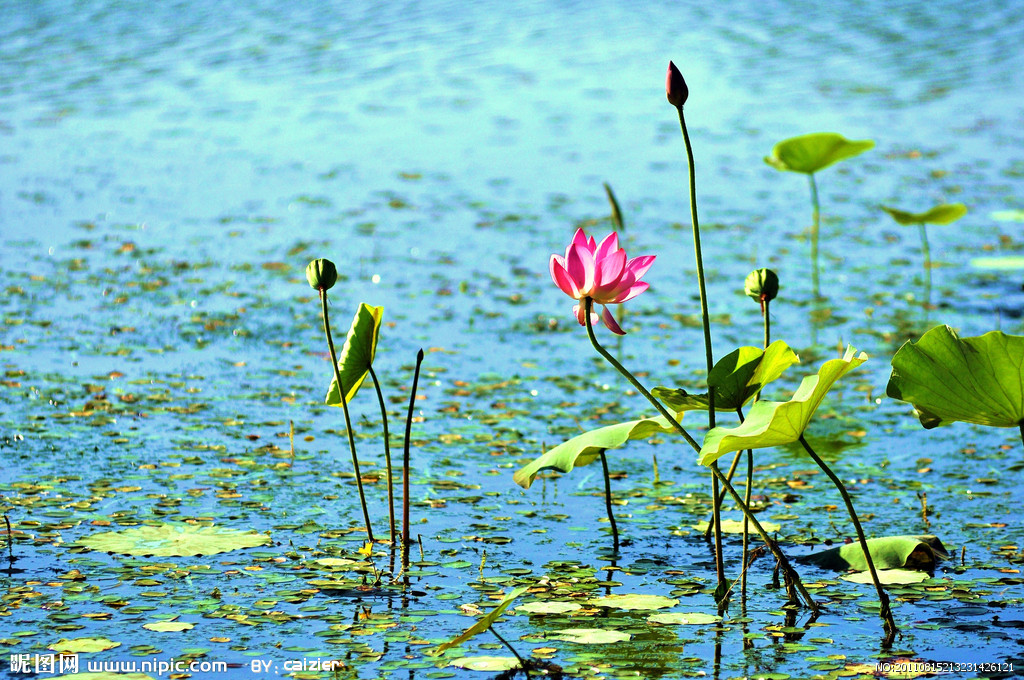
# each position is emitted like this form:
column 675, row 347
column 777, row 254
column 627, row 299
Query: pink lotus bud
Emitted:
column 675, row 86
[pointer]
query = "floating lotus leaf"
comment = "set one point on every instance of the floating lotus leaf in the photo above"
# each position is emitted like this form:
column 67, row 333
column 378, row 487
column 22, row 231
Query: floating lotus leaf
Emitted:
column 590, row 636
column 585, row 448
column 173, row 540
column 814, row 152
column 975, row 380
column 83, row 645
column 888, row 577
column 481, row 625
column 486, row 663
column 634, row 601
column 547, row 607
column 736, row 377
column 1008, row 215
column 357, row 354
column 1004, row 263
column 945, row 213
column 168, row 626
column 735, row 526
column 887, row 552
column 777, row 423
column 684, row 618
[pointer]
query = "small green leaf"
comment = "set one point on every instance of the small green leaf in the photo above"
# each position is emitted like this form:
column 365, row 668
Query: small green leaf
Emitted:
column 945, row 213
column 481, row 625
column 589, row 636
column 585, row 448
column 736, row 377
column 887, row 552
column 735, row 526
column 1003, row 263
column 814, row 152
column 357, row 354
column 774, row 423
column 974, row 380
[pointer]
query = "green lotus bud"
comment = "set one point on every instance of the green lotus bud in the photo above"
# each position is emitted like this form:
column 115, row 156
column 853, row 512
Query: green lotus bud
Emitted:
column 321, row 274
column 762, row 285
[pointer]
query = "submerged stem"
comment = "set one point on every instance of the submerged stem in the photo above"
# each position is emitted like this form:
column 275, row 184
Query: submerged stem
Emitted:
column 387, row 456
column 348, row 419
column 608, row 501
column 883, row 598
column 772, row 545
column 815, row 226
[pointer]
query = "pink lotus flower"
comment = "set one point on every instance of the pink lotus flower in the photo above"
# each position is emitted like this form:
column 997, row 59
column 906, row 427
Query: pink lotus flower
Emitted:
column 601, row 273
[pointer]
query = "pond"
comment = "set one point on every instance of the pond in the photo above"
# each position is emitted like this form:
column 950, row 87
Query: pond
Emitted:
column 167, row 170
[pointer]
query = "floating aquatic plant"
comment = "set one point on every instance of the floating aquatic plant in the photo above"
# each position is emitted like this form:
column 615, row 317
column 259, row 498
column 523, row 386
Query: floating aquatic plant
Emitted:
column 947, row 378
column 173, row 539
column 808, row 154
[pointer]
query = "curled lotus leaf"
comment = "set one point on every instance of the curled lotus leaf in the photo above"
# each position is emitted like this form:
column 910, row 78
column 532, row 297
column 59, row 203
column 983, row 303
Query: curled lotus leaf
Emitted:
column 945, row 213
column 816, row 151
column 736, row 378
column 173, row 539
column 357, row 354
column 585, row 448
column 974, row 380
column 887, row 552
column 777, row 423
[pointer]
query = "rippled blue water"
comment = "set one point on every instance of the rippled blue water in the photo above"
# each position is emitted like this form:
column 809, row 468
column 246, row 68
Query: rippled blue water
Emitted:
column 439, row 152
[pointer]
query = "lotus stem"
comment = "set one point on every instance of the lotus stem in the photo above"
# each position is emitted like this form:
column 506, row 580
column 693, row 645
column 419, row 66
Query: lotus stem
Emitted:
column 1021, row 426
column 927, row 254
column 608, row 500
column 348, row 419
column 405, row 463
column 815, row 226
column 794, row 580
column 706, row 322
column 522, row 664
column 387, row 455
column 767, row 323
column 885, row 611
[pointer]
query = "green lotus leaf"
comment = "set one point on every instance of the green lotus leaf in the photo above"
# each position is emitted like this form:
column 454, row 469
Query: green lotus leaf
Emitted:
column 736, row 377
column 589, row 636
column 486, row 663
column 684, row 618
column 585, row 448
column 975, row 380
column 945, row 213
column 357, row 354
column 777, row 423
column 887, row 552
column 634, row 601
column 82, row 645
column 1008, row 215
column 173, row 540
column 481, row 625
column 811, row 153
